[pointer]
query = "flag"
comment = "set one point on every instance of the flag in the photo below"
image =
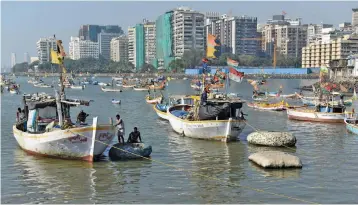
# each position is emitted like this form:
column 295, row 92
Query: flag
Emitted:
column 284, row 13
column 232, row 63
column 54, row 57
column 235, row 75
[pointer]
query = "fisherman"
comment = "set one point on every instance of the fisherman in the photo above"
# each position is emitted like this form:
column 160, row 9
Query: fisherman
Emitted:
column 134, row 136
column 204, row 97
column 81, row 117
column 341, row 101
column 120, row 129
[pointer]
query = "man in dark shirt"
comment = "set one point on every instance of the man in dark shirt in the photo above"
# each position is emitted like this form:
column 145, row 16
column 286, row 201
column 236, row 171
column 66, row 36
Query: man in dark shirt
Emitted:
column 134, row 136
column 204, row 97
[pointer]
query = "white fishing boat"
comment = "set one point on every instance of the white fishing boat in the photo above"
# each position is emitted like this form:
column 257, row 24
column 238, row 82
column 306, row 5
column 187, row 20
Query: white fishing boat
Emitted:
column 48, row 130
column 128, row 86
column 225, row 124
column 102, row 84
column 332, row 114
column 78, row 87
column 140, row 88
column 117, row 78
column 153, row 100
column 267, row 106
column 111, row 89
column 116, row 101
column 161, row 109
column 13, row 91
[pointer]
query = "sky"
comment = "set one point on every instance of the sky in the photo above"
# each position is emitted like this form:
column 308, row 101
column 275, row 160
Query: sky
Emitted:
column 24, row 23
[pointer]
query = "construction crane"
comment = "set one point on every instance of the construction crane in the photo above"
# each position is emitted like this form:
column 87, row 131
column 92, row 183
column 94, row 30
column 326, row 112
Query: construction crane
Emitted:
column 263, row 41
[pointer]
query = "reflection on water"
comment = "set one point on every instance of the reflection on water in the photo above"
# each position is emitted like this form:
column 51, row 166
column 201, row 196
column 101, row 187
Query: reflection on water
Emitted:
column 327, row 151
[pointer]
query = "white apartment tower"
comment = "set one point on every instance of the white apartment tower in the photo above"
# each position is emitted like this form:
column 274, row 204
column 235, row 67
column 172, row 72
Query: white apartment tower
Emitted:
column 132, row 46
column 13, row 59
column 355, row 17
column 44, row 46
column 119, row 49
column 149, row 41
column 188, row 30
column 79, row 48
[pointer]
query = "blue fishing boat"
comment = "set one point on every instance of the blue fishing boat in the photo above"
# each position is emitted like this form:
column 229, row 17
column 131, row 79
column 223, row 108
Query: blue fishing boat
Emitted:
column 351, row 123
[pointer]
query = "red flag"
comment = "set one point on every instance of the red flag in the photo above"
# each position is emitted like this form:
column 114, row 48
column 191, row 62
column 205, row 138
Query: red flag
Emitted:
column 284, row 13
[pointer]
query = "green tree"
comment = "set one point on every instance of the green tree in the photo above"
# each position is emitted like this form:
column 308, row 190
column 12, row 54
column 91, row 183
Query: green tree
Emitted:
column 20, row 67
column 176, row 65
column 147, row 68
column 192, row 58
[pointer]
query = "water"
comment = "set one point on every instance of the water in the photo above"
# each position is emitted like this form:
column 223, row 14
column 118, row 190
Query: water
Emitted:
column 328, row 153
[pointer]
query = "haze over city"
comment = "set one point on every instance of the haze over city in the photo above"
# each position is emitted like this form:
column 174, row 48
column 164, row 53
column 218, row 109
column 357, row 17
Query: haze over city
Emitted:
column 24, row 23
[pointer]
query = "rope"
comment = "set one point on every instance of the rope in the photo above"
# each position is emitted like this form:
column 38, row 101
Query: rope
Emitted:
column 205, row 176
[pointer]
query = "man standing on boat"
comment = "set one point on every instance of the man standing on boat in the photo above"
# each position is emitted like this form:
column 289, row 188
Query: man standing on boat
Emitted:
column 204, row 96
column 120, row 129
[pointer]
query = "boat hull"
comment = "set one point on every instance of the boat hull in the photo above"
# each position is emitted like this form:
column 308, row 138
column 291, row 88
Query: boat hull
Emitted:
column 110, row 90
column 153, row 101
column 352, row 128
column 219, row 130
column 67, row 144
column 315, row 116
column 161, row 114
column 140, row 89
column 268, row 108
column 129, row 151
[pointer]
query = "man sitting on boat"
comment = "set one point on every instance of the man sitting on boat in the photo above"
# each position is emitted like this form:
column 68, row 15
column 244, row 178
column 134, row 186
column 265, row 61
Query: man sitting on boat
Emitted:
column 81, row 117
column 134, row 136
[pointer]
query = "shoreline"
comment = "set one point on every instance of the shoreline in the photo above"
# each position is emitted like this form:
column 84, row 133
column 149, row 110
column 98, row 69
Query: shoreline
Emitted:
column 176, row 75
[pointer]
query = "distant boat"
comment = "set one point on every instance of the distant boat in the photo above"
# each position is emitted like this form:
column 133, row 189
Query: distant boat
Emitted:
column 140, row 89
column 110, row 89
column 116, row 101
column 77, row 87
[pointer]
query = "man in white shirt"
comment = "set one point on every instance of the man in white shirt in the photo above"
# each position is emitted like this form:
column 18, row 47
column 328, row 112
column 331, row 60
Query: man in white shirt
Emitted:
column 120, row 128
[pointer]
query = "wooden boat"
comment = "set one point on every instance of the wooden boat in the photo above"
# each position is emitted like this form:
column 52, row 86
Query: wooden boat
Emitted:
column 127, row 151
column 351, row 122
column 140, row 88
column 161, row 109
column 116, row 101
column 225, row 128
column 153, row 100
column 48, row 130
column 278, row 95
column 102, row 84
column 13, row 91
column 266, row 106
column 332, row 114
column 128, row 86
column 110, row 89
column 259, row 98
column 312, row 101
column 160, row 87
column 78, row 87
column 195, row 87
column 43, row 85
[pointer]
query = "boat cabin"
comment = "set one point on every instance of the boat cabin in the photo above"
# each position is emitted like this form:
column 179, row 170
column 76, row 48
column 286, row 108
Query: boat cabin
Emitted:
column 330, row 109
column 42, row 115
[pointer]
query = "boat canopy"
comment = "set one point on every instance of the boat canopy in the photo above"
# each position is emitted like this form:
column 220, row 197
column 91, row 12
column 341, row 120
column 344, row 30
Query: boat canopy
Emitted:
column 52, row 103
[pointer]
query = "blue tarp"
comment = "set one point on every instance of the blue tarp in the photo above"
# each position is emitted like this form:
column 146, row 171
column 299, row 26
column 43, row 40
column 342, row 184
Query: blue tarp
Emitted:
column 162, row 107
column 179, row 113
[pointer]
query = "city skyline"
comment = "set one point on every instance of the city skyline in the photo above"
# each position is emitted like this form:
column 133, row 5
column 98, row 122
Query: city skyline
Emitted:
column 14, row 25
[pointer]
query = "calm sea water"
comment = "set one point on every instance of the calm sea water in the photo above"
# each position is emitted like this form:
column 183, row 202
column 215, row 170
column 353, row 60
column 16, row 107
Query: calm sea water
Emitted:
column 328, row 152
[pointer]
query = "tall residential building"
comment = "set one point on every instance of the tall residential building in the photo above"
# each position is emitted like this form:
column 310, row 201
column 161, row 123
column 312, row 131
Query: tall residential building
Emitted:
column 142, row 44
column 164, row 40
column 355, row 17
column 132, row 46
column 13, row 60
column 321, row 53
column 79, row 48
column 90, row 32
column 119, row 49
column 289, row 39
column 44, row 46
column 104, row 40
column 234, row 34
column 314, row 32
column 26, row 57
column 188, row 30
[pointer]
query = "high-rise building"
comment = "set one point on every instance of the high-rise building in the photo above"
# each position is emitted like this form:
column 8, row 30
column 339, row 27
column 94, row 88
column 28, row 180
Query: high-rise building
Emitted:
column 104, row 40
column 26, row 57
column 90, row 32
column 142, row 42
column 235, row 34
column 314, row 32
column 355, row 17
column 79, row 48
column 188, row 30
column 44, row 46
column 119, row 49
column 164, row 40
column 132, row 46
column 13, row 60
column 320, row 53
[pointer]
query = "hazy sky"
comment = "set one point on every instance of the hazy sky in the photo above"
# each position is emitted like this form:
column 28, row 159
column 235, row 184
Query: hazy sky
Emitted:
column 23, row 23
